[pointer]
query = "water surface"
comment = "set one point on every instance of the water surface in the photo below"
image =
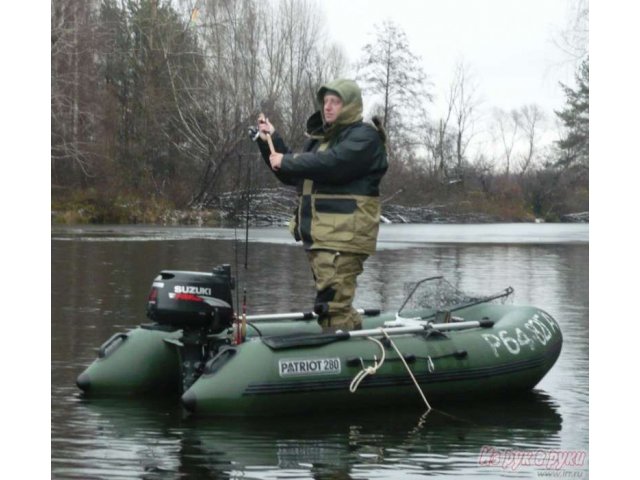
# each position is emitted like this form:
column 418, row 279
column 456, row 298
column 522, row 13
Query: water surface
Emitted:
column 101, row 277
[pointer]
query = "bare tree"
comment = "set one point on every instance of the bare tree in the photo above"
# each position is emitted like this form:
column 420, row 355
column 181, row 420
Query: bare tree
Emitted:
column 326, row 63
column 302, row 40
column 73, row 72
column 573, row 39
column 530, row 118
column 439, row 143
column 215, row 99
column 463, row 101
column 506, row 129
column 256, row 57
column 449, row 136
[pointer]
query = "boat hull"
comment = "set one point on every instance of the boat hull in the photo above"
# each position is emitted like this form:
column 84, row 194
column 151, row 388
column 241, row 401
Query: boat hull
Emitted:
column 511, row 356
column 137, row 362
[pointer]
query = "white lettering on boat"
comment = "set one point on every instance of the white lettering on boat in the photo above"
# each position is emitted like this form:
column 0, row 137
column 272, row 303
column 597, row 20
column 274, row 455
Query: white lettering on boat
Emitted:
column 513, row 341
column 552, row 323
column 316, row 366
column 493, row 341
column 524, row 340
column 539, row 329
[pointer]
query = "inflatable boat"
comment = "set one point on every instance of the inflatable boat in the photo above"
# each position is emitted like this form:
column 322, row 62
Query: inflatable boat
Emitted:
column 440, row 346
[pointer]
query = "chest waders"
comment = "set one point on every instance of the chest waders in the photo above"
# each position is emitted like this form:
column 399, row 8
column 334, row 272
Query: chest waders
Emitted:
column 334, row 271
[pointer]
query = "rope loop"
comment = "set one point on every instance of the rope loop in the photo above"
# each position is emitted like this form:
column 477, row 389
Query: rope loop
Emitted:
column 372, row 369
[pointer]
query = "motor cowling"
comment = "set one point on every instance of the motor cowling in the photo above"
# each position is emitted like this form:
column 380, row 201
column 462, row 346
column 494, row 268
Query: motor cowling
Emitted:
column 192, row 299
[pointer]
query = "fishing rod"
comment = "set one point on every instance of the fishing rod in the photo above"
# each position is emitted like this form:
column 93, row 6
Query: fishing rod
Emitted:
column 241, row 326
column 242, row 331
column 235, row 210
column 241, row 318
column 235, row 233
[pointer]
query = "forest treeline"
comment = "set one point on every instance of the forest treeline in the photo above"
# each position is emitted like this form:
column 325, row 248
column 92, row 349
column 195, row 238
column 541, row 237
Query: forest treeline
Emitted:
column 151, row 101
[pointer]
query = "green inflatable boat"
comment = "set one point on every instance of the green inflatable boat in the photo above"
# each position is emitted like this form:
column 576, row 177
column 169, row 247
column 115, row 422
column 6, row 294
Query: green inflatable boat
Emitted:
column 440, row 346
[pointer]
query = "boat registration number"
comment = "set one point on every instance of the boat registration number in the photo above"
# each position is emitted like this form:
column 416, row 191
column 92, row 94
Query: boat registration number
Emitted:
column 289, row 367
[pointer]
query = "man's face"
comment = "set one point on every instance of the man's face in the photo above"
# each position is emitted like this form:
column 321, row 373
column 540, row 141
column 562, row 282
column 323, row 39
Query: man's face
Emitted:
column 332, row 107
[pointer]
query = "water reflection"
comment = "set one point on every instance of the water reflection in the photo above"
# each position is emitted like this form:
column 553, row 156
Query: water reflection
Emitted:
column 145, row 438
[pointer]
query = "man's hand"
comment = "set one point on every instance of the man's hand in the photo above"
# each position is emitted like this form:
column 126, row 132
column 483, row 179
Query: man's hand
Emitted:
column 264, row 127
column 276, row 160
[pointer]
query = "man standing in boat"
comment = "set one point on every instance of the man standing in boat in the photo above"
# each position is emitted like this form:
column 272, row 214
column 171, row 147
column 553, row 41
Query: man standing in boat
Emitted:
column 337, row 176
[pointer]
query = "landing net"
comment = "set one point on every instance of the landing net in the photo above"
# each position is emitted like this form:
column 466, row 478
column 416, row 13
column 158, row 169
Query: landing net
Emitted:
column 438, row 294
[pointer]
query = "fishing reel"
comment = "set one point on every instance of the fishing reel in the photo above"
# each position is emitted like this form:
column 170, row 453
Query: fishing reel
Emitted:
column 253, row 132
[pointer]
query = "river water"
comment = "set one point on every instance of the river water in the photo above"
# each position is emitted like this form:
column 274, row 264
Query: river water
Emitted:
column 100, row 281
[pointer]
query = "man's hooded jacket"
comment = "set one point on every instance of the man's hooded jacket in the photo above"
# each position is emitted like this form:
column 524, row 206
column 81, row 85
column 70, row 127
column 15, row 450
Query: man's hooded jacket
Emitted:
column 337, row 176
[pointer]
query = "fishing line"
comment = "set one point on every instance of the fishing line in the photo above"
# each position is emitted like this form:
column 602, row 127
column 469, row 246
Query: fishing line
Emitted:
column 235, row 233
column 241, row 308
column 247, row 204
column 242, row 331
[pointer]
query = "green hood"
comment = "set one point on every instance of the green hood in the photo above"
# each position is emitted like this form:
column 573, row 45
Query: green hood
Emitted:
column 351, row 96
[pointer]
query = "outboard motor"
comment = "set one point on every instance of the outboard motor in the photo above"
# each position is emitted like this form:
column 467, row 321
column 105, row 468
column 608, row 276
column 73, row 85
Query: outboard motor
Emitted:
column 200, row 304
column 192, row 299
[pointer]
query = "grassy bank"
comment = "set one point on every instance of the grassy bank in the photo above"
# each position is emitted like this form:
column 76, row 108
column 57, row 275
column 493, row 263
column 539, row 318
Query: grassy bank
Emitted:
column 91, row 208
column 88, row 207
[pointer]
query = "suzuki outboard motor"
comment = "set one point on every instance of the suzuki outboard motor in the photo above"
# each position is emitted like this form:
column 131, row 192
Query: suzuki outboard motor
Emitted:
column 198, row 303
column 192, row 300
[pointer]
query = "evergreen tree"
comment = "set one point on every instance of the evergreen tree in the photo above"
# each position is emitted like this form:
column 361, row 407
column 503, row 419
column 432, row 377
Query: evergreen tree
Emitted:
column 389, row 70
column 574, row 147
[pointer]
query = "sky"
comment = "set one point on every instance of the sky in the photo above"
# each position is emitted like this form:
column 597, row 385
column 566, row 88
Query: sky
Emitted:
column 508, row 44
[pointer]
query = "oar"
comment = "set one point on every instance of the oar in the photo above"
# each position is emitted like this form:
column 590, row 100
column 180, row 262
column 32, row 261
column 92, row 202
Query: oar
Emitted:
column 368, row 312
column 282, row 342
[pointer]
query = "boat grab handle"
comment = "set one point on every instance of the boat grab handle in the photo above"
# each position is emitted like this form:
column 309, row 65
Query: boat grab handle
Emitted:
column 102, row 352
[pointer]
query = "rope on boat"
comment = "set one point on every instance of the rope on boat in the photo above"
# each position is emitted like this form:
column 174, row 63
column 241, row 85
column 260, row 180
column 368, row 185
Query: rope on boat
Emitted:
column 371, row 370
column 362, row 374
column 406, row 365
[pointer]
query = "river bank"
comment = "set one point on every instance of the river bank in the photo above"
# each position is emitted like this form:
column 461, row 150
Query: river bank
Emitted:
column 275, row 206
